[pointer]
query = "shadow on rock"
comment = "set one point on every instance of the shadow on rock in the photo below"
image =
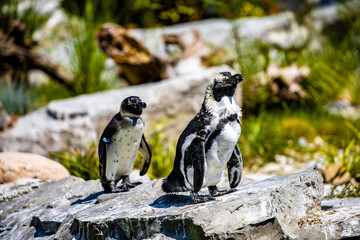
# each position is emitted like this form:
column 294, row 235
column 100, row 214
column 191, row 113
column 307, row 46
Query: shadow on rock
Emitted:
column 88, row 199
column 172, row 200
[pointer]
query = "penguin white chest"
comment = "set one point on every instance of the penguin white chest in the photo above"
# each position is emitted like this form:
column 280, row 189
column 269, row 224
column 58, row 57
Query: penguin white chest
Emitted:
column 122, row 151
column 223, row 144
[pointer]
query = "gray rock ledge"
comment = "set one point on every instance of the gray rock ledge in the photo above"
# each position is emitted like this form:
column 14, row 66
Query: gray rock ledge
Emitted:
column 281, row 207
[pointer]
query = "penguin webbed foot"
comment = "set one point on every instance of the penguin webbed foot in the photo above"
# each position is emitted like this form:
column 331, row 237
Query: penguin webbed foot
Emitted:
column 197, row 199
column 215, row 192
column 126, row 184
column 111, row 188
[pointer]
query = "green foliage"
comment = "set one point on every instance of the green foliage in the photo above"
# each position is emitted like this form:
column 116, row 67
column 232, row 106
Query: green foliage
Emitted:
column 87, row 61
column 49, row 91
column 17, row 99
column 153, row 13
column 261, row 139
column 349, row 190
column 350, row 156
column 329, row 75
column 29, row 16
column 274, row 132
column 351, row 159
column 238, row 8
column 81, row 163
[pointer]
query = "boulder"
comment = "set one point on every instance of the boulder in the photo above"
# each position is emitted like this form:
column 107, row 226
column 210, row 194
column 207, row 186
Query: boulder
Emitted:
column 16, row 165
column 281, row 207
column 80, row 120
column 218, row 32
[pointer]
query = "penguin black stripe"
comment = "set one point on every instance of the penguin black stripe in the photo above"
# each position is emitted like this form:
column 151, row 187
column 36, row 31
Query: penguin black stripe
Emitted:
column 218, row 129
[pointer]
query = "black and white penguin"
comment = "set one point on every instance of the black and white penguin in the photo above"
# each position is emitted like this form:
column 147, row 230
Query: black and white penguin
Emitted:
column 122, row 138
column 209, row 143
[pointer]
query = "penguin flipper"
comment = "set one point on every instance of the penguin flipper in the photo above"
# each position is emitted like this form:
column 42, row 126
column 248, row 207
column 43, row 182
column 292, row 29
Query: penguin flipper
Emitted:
column 102, row 157
column 104, row 141
column 235, row 166
column 146, row 152
column 102, row 166
column 195, row 157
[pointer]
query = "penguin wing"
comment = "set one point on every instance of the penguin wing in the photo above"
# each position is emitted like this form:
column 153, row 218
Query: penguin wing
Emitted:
column 235, row 166
column 146, row 152
column 199, row 165
column 195, row 158
column 105, row 140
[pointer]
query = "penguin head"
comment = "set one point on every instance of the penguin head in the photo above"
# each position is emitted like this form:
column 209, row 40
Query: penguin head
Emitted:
column 225, row 85
column 132, row 106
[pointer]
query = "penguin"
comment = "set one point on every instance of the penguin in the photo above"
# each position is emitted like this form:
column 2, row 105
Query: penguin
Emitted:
column 209, row 144
column 122, row 138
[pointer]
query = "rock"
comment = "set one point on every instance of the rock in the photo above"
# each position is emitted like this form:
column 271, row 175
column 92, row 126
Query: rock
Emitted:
column 14, row 166
column 17, row 188
column 332, row 204
column 341, row 220
column 336, row 174
column 77, row 121
column 275, row 208
column 344, row 108
column 343, row 178
column 4, row 118
column 331, row 172
column 284, row 82
column 295, row 37
column 218, row 32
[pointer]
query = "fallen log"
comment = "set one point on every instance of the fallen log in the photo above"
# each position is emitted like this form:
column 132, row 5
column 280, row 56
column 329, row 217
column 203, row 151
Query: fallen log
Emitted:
column 137, row 64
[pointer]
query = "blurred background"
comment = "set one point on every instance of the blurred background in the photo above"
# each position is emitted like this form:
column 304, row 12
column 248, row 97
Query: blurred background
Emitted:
column 300, row 96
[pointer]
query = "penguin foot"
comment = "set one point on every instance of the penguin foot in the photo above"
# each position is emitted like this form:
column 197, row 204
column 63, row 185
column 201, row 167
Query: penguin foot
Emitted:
column 195, row 197
column 111, row 188
column 126, row 184
column 215, row 192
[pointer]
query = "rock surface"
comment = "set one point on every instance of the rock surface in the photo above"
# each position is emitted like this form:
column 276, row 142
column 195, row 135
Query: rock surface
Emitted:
column 80, row 120
column 16, row 165
column 218, row 32
column 276, row 208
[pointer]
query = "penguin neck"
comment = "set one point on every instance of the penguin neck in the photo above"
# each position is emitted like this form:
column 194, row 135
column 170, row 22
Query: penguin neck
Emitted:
column 134, row 118
column 221, row 108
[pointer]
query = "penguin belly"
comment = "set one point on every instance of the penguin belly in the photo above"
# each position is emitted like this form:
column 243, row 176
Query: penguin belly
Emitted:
column 121, row 154
column 220, row 152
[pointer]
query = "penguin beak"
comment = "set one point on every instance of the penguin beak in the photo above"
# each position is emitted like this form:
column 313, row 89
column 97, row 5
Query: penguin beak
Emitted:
column 232, row 81
column 142, row 104
column 237, row 78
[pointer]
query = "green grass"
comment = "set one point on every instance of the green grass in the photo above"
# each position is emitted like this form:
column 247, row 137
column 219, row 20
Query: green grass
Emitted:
column 348, row 191
column 87, row 61
column 272, row 133
column 29, row 16
column 17, row 99
column 82, row 163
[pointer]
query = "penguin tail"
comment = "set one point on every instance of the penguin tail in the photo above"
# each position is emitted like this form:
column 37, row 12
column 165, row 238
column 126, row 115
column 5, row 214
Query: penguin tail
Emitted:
column 173, row 183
